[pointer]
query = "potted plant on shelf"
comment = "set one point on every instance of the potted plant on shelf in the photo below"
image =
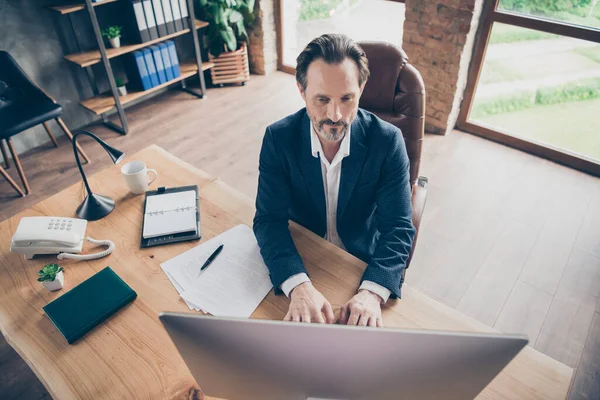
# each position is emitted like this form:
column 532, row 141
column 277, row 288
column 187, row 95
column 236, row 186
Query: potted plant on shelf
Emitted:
column 228, row 38
column 113, row 34
column 121, row 87
column 52, row 277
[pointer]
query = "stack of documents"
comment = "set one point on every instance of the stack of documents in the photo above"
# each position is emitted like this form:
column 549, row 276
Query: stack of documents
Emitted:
column 233, row 285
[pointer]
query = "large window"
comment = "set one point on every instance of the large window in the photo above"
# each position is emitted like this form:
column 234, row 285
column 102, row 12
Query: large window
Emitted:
column 303, row 20
column 535, row 80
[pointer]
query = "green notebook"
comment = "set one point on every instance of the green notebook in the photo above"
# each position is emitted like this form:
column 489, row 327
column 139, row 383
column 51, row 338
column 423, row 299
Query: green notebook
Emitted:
column 84, row 307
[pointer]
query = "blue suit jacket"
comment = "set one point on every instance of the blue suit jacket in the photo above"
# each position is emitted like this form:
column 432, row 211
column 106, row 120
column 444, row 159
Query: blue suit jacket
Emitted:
column 374, row 216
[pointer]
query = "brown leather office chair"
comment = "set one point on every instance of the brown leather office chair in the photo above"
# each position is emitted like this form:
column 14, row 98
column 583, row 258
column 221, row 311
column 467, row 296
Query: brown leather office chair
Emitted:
column 395, row 92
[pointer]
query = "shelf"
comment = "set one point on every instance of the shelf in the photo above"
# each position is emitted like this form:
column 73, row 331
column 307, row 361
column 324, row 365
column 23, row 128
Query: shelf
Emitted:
column 68, row 9
column 105, row 102
column 87, row 58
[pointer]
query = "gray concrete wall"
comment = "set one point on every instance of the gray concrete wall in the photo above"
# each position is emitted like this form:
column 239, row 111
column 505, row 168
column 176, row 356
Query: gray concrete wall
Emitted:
column 38, row 39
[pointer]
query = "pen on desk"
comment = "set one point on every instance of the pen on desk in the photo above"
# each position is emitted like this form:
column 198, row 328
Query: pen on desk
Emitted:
column 211, row 258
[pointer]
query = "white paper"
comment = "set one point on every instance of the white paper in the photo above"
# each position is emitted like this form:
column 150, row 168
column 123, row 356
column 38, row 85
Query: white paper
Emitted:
column 233, row 285
column 179, row 290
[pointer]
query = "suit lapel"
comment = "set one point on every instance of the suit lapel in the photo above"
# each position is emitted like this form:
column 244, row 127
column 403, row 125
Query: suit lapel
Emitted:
column 310, row 167
column 352, row 165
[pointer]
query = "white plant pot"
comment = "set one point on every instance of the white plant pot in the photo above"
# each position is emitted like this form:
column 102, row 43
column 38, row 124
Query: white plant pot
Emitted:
column 122, row 90
column 56, row 284
column 115, row 42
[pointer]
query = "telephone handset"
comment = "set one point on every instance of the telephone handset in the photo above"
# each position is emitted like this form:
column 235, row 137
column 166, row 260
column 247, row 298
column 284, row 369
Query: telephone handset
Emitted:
column 53, row 235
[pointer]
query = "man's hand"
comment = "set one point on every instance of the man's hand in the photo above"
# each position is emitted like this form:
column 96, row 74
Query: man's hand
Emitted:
column 307, row 305
column 364, row 309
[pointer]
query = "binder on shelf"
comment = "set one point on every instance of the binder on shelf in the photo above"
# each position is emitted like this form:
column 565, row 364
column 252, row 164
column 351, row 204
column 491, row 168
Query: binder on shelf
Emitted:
column 174, row 60
column 158, row 62
column 160, row 18
column 168, row 16
column 140, row 33
column 150, row 66
column 176, row 14
column 164, row 52
column 184, row 14
column 150, row 20
column 137, row 72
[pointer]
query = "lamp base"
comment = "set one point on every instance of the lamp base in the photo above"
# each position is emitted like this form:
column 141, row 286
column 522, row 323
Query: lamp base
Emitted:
column 95, row 207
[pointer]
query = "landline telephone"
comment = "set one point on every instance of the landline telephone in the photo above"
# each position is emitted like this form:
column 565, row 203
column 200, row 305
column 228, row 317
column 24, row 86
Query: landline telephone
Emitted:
column 55, row 235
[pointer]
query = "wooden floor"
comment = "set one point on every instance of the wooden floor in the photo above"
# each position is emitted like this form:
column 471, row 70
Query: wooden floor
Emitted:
column 508, row 238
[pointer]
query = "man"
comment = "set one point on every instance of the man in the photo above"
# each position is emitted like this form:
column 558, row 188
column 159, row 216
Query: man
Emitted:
column 342, row 173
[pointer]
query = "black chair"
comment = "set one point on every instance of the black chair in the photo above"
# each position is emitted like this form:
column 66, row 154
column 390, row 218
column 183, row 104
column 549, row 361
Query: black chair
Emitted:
column 23, row 105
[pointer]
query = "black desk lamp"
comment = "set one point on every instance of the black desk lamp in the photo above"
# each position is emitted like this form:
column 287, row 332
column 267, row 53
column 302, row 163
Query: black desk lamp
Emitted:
column 95, row 206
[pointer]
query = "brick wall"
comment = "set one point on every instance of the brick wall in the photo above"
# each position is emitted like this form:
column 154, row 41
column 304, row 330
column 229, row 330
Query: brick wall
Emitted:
column 263, row 39
column 438, row 38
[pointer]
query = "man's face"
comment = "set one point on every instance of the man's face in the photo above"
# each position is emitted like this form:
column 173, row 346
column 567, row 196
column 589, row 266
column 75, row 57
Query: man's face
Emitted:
column 331, row 96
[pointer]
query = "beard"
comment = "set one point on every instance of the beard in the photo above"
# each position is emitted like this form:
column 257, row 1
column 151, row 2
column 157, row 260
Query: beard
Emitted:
column 336, row 132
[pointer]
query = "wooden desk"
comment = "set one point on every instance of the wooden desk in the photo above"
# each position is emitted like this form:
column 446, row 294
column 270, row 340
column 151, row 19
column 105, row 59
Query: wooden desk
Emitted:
column 131, row 356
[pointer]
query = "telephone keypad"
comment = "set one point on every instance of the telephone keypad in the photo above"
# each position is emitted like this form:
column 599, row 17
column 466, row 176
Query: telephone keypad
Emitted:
column 61, row 224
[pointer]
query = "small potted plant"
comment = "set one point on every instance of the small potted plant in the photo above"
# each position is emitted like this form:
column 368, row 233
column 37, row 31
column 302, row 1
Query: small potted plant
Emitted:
column 52, row 277
column 121, row 87
column 113, row 34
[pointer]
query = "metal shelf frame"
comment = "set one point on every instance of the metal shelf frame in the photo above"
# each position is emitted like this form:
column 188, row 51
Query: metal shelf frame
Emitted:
column 123, row 128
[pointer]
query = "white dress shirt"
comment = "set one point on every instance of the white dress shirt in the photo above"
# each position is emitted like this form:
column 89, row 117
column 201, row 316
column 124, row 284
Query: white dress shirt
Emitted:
column 331, row 181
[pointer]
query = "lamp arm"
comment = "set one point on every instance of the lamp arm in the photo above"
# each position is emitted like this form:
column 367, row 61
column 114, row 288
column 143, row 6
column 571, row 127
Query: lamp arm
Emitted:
column 96, row 138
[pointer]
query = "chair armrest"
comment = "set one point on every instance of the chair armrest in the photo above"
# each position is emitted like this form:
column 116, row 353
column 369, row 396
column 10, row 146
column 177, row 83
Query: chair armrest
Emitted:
column 418, row 200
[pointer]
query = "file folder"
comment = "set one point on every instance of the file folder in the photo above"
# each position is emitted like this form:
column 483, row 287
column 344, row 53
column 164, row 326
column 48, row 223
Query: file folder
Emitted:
column 174, row 59
column 164, row 52
column 137, row 72
column 158, row 62
column 184, row 14
column 168, row 16
column 151, row 67
column 150, row 20
column 139, row 31
column 88, row 304
column 160, row 18
column 176, row 14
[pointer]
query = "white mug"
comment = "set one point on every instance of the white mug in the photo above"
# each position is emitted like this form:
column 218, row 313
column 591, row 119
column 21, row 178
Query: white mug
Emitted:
column 136, row 176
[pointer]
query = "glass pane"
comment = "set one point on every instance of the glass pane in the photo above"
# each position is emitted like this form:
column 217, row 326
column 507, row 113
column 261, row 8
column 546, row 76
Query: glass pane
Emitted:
column 541, row 87
column 577, row 12
column 304, row 20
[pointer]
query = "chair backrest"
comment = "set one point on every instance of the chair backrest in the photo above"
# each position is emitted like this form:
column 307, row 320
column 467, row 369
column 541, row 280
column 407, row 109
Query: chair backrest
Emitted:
column 15, row 85
column 395, row 92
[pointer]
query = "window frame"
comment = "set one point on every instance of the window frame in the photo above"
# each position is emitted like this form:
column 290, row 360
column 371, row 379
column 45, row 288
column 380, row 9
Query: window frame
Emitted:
column 490, row 14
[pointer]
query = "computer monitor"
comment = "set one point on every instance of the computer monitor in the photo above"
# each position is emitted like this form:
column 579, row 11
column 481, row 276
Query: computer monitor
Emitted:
column 244, row 359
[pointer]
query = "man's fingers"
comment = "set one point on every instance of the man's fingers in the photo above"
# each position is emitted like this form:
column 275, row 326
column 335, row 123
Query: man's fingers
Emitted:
column 354, row 316
column 379, row 322
column 316, row 316
column 363, row 320
column 328, row 311
column 288, row 317
column 306, row 316
column 373, row 321
column 295, row 317
column 344, row 315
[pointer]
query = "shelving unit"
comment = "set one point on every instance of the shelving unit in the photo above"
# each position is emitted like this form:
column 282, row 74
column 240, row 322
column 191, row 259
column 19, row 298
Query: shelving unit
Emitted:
column 106, row 103
column 89, row 58
column 77, row 7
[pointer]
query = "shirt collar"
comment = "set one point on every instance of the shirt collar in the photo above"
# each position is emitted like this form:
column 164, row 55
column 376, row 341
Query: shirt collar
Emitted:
column 315, row 143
